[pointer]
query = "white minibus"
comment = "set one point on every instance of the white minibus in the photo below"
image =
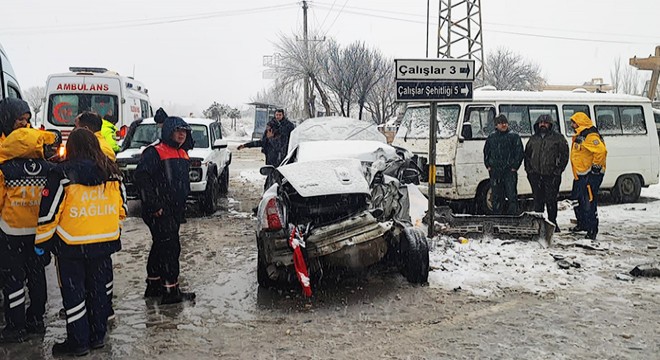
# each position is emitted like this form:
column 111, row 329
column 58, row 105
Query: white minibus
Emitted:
column 626, row 123
column 8, row 84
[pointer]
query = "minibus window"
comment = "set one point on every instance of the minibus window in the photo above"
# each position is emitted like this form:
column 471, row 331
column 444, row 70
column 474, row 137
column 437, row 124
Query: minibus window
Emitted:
column 537, row 110
column 518, row 117
column 416, row 122
column 481, row 121
column 568, row 111
column 632, row 120
column 608, row 121
column 12, row 92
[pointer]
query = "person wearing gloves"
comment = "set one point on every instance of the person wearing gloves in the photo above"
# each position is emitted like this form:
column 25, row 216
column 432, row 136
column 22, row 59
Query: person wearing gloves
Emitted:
column 163, row 181
column 588, row 158
column 23, row 171
column 503, row 155
column 79, row 222
column 546, row 157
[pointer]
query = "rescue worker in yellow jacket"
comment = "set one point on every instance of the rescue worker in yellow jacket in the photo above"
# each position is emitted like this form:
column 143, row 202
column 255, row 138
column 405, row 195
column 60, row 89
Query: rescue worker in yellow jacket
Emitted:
column 588, row 160
column 14, row 114
column 108, row 130
column 79, row 221
column 93, row 122
column 23, row 171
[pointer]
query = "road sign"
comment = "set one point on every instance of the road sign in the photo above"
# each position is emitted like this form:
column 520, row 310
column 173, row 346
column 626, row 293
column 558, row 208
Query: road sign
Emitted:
column 433, row 90
column 435, row 69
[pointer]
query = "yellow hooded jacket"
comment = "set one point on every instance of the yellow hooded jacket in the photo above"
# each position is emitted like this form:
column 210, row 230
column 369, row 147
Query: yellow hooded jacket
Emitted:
column 588, row 148
column 23, row 172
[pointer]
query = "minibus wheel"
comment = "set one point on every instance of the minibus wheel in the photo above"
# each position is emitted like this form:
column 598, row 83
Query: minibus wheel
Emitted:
column 483, row 202
column 627, row 189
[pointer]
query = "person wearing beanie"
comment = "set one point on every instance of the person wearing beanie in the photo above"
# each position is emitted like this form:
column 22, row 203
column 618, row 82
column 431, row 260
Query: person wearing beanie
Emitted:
column 546, row 157
column 503, row 155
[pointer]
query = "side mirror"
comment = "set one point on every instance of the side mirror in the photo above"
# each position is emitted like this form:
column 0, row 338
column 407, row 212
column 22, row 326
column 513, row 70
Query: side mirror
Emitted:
column 219, row 144
column 466, row 131
column 410, row 176
column 267, row 170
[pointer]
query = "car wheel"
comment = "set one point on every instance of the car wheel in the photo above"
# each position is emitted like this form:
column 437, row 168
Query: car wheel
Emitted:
column 483, row 202
column 262, row 273
column 208, row 203
column 414, row 255
column 627, row 189
column 224, row 181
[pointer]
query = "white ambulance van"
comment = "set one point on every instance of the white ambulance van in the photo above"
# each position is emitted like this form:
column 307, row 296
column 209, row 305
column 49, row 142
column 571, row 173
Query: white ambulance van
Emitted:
column 93, row 89
column 8, row 83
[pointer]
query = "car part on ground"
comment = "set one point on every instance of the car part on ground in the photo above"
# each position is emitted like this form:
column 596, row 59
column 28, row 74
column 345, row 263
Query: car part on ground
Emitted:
column 527, row 226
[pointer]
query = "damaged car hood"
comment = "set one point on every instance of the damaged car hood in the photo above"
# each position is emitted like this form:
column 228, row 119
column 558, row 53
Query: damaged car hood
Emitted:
column 326, row 177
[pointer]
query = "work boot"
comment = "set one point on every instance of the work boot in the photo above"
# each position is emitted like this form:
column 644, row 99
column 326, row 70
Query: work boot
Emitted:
column 174, row 295
column 591, row 234
column 35, row 327
column 67, row 349
column 12, row 336
column 153, row 289
column 577, row 228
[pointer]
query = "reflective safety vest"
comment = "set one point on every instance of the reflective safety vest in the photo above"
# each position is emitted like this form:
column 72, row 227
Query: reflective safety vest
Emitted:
column 81, row 214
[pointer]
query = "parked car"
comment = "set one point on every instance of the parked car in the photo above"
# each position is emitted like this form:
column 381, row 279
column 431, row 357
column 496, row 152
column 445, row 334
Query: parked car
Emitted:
column 347, row 190
column 209, row 160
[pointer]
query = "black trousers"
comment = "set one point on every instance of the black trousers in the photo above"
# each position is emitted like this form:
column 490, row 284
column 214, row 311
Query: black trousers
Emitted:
column 585, row 191
column 85, row 299
column 18, row 263
column 504, row 186
column 163, row 262
column 545, row 189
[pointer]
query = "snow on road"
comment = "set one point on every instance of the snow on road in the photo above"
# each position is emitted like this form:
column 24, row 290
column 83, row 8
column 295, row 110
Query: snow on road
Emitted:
column 628, row 237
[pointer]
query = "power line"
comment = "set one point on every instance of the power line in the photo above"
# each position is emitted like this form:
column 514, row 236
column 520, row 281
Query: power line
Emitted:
column 336, row 17
column 500, row 31
column 326, row 15
column 141, row 23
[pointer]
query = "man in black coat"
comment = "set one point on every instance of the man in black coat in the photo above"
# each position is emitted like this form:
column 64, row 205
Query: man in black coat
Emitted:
column 546, row 157
column 274, row 143
column 503, row 155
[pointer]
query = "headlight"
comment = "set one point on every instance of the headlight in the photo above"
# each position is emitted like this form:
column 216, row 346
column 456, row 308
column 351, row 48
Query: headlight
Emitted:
column 195, row 175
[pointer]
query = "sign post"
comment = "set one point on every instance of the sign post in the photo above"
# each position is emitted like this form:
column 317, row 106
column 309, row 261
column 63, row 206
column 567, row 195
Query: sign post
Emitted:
column 433, row 80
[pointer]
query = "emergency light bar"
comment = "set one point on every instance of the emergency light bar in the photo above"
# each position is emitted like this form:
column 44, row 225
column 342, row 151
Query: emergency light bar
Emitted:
column 87, row 69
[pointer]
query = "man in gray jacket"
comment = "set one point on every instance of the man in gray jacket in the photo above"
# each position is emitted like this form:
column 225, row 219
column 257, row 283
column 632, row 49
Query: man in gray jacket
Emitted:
column 546, row 157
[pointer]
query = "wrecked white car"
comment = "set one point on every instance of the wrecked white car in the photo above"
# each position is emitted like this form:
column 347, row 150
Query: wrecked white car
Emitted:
column 345, row 191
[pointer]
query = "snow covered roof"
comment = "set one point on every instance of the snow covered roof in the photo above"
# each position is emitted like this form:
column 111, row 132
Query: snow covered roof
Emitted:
column 334, row 128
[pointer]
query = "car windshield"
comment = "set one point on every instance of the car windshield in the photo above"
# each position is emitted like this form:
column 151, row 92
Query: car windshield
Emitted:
column 146, row 134
column 415, row 123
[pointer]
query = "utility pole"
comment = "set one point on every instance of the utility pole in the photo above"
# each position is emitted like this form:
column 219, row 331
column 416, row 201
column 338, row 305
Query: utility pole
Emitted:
column 650, row 63
column 460, row 32
column 306, row 78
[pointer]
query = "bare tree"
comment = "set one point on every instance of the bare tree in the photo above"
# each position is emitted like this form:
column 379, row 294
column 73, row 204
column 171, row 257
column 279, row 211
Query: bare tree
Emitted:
column 507, row 70
column 381, row 102
column 299, row 63
column 372, row 68
column 625, row 79
column 35, row 98
column 288, row 97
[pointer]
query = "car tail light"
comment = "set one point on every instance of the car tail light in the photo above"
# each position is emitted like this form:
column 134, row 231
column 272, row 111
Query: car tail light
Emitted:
column 273, row 215
column 122, row 132
column 42, row 127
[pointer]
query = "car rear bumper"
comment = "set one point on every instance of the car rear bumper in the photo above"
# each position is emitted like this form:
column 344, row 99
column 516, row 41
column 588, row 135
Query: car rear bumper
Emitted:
column 355, row 243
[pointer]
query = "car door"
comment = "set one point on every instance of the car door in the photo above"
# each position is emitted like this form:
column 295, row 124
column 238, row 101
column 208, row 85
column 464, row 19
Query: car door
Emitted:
column 217, row 155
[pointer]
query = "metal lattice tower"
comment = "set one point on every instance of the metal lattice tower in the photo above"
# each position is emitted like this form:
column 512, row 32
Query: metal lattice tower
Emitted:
column 459, row 32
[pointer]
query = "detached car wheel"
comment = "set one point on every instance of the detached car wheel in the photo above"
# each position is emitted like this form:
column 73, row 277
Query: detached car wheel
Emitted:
column 208, row 203
column 414, row 255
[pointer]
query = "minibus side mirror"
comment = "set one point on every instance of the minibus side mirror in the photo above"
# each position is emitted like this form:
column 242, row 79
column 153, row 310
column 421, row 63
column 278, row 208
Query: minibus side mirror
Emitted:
column 466, row 131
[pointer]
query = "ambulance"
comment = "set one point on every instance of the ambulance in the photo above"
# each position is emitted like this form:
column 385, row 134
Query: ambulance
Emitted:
column 94, row 89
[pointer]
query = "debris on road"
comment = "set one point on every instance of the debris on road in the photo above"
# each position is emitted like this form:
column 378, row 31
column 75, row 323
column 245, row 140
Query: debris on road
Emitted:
column 624, row 277
column 646, row 270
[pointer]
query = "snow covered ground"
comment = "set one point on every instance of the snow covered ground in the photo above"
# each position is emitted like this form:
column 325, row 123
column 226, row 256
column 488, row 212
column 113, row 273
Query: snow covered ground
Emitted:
column 628, row 237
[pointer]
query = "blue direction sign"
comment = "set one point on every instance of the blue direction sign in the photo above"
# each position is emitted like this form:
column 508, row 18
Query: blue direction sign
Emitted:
column 427, row 91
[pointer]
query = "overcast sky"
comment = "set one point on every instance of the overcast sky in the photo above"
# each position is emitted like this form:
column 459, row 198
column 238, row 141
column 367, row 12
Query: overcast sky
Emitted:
column 191, row 53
